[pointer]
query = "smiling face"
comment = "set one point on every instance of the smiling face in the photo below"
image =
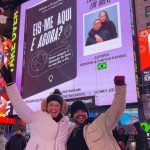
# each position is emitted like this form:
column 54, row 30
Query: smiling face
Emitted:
column 96, row 25
column 54, row 108
column 80, row 117
column 103, row 17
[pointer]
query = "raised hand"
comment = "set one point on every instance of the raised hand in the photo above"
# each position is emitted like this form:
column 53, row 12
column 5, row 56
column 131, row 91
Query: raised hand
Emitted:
column 6, row 74
column 119, row 80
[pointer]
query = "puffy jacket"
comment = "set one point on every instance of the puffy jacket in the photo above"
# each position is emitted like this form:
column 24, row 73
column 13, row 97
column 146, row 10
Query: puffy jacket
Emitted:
column 43, row 128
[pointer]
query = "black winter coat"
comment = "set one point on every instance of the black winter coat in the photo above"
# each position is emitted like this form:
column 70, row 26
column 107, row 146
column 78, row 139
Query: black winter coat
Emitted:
column 16, row 142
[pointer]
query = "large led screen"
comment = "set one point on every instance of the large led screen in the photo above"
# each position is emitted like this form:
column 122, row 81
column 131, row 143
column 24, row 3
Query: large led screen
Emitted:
column 5, row 48
column 144, row 45
column 76, row 46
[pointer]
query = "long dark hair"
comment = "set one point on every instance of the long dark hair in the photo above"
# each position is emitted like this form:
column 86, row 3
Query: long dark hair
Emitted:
column 103, row 11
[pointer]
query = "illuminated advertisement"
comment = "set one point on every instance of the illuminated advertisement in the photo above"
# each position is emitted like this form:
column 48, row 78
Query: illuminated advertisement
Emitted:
column 144, row 45
column 49, row 46
column 5, row 48
column 146, row 126
column 129, row 116
column 77, row 47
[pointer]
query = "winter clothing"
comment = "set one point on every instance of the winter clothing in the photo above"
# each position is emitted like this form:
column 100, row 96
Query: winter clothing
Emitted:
column 62, row 135
column 16, row 142
column 109, row 26
column 78, row 105
column 43, row 128
column 140, row 137
column 75, row 140
column 55, row 97
column 98, row 135
column 141, row 140
column 121, row 138
column 104, row 34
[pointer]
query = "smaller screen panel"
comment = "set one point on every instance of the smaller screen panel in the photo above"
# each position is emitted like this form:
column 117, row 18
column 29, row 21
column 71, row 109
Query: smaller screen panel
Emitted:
column 129, row 116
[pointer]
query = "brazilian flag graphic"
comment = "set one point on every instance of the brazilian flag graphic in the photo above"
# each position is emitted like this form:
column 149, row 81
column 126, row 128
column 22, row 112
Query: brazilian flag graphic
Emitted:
column 102, row 66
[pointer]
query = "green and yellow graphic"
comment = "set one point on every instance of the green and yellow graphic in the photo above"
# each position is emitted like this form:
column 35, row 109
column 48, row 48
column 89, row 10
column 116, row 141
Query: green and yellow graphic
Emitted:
column 102, row 66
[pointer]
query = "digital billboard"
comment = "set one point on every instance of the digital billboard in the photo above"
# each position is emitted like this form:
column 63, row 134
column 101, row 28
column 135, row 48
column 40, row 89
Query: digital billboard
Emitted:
column 5, row 48
column 144, row 46
column 76, row 46
column 129, row 116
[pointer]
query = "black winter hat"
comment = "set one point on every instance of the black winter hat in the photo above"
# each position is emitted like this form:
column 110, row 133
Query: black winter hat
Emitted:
column 77, row 105
column 56, row 96
column 137, row 125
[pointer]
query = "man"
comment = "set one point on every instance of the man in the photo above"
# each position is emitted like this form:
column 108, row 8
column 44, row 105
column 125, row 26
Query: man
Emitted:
column 97, row 135
column 17, row 141
column 96, row 34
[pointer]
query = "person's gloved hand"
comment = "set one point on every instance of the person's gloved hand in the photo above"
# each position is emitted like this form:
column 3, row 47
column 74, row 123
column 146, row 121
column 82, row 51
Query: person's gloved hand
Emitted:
column 119, row 80
column 6, row 74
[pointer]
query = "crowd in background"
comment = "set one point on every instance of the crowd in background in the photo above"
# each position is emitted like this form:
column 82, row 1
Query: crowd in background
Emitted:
column 17, row 140
column 130, row 137
column 135, row 139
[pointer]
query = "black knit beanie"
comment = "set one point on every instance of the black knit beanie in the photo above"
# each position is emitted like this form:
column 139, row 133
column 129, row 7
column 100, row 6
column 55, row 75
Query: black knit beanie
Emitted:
column 77, row 105
column 56, row 96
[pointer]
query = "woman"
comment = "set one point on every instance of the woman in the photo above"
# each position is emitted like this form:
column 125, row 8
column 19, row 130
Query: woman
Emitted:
column 44, row 126
column 107, row 24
